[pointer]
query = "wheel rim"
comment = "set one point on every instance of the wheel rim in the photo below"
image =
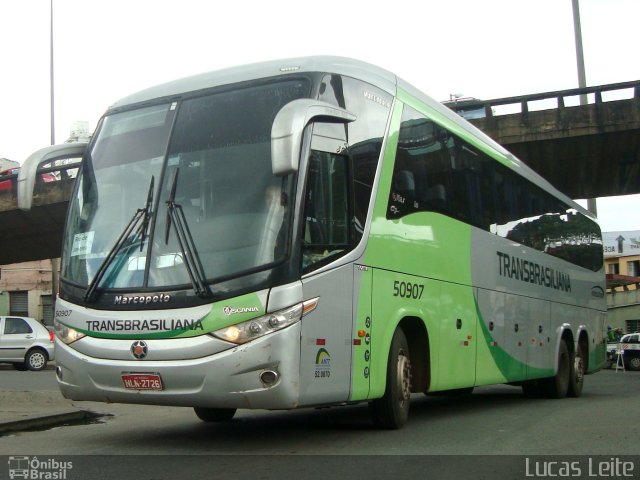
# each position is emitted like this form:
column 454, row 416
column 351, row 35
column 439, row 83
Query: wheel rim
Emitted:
column 634, row 362
column 579, row 368
column 37, row 360
column 563, row 373
column 404, row 378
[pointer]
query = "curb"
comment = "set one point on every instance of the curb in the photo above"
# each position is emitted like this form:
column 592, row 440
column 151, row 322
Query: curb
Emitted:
column 37, row 422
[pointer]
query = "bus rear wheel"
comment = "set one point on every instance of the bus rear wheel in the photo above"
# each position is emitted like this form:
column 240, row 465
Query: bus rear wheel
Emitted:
column 214, row 414
column 558, row 385
column 578, row 368
column 392, row 410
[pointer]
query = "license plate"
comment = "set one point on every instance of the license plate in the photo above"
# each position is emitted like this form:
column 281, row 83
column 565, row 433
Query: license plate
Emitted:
column 142, row 381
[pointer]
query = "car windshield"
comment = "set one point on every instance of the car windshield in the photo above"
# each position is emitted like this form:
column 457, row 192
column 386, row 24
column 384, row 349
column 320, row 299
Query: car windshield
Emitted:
column 210, row 157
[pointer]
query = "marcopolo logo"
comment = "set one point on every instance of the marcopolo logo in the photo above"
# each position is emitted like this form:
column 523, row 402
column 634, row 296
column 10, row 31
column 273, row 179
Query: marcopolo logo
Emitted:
column 232, row 311
column 38, row 469
column 141, row 299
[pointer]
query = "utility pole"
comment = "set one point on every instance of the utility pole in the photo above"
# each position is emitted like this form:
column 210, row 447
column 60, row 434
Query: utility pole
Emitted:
column 51, row 95
column 577, row 29
column 55, row 264
column 582, row 77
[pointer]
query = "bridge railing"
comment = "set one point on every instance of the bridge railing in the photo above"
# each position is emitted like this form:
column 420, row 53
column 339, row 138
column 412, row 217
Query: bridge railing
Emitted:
column 486, row 108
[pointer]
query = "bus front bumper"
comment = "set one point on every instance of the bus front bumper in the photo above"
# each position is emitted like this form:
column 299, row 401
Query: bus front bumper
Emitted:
column 263, row 373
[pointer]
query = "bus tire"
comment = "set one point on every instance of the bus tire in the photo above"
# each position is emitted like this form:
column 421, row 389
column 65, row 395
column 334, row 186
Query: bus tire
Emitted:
column 558, row 385
column 392, row 410
column 578, row 368
column 214, row 414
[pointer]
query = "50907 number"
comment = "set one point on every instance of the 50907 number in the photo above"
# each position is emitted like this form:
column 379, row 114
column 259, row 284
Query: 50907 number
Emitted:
column 407, row 290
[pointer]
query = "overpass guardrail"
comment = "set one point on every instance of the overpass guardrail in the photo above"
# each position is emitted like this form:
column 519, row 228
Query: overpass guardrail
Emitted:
column 474, row 108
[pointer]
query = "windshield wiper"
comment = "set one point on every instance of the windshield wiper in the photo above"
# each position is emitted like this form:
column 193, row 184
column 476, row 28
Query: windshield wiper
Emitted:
column 175, row 217
column 143, row 214
column 147, row 214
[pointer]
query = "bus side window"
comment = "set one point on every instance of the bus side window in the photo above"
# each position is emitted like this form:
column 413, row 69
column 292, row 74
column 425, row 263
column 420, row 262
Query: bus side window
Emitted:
column 421, row 176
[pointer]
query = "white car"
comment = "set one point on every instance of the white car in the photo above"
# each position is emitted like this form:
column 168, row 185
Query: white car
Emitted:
column 25, row 342
column 630, row 345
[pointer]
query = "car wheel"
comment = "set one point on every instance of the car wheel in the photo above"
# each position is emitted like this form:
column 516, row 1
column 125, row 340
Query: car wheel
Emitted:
column 36, row 360
column 634, row 363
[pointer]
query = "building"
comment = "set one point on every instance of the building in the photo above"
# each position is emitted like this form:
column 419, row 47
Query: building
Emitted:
column 622, row 259
column 79, row 132
column 622, row 265
column 26, row 290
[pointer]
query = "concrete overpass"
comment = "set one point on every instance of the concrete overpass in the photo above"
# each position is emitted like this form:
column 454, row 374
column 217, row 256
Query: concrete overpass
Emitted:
column 34, row 232
column 586, row 151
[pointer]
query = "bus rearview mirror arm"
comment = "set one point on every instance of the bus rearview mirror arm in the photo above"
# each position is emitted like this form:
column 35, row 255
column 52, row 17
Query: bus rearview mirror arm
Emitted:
column 29, row 169
column 289, row 124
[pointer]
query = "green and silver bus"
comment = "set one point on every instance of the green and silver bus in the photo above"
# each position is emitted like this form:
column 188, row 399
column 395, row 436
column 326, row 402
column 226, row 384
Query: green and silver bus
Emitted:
column 316, row 232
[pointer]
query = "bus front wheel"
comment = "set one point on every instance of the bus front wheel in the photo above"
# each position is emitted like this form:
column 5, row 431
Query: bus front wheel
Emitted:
column 392, row 410
column 214, row 414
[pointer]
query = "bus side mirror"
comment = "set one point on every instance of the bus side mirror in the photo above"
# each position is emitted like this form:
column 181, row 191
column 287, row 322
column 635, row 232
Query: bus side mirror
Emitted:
column 29, row 169
column 288, row 126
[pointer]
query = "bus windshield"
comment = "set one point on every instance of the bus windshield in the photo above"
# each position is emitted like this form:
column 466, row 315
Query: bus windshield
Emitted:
column 212, row 156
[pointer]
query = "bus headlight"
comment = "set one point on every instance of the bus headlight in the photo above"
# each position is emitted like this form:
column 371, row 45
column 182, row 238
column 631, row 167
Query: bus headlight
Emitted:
column 66, row 334
column 257, row 327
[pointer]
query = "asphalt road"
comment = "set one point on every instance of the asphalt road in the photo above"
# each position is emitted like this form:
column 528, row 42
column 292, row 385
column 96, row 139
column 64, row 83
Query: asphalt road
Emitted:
column 493, row 421
column 12, row 379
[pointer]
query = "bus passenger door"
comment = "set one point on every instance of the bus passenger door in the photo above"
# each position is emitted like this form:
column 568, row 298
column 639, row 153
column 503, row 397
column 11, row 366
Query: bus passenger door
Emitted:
column 325, row 369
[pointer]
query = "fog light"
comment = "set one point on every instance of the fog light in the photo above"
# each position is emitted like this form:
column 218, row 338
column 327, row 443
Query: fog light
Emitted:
column 269, row 378
column 59, row 372
column 255, row 328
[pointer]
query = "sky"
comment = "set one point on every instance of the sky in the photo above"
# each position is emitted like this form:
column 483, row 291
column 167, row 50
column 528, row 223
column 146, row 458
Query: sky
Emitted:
column 105, row 50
